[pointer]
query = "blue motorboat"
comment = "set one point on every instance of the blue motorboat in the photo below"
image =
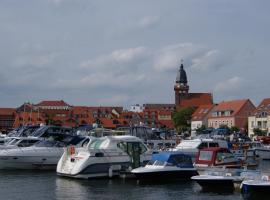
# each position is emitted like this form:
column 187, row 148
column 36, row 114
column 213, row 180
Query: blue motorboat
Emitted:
column 258, row 188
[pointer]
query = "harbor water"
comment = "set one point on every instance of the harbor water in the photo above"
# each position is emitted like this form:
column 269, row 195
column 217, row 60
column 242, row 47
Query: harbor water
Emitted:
column 43, row 185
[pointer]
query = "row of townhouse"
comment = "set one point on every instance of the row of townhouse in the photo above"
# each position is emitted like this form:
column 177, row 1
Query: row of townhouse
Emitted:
column 61, row 113
column 240, row 113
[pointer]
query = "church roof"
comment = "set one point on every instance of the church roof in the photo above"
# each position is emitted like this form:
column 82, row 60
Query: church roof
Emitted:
column 196, row 100
column 181, row 75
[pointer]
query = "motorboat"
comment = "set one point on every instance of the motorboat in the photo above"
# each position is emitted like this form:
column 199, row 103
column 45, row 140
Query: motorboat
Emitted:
column 258, row 187
column 104, row 157
column 192, row 147
column 224, row 179
column 43, row 155
column 166, row 166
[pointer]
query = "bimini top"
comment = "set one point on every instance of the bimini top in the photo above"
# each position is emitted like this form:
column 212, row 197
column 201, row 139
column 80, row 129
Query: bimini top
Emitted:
column 177, row 159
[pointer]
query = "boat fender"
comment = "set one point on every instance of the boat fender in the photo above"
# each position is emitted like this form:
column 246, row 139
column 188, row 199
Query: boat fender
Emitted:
column 110, row 171
column 99, row 154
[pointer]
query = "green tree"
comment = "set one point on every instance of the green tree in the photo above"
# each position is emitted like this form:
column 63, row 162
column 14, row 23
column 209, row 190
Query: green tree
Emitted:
column 234, row 129
column 182, row 119
column 200, row 129
column 259, row 132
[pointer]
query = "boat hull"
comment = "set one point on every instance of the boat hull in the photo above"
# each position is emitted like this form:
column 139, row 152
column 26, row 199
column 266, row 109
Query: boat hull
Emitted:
column 166, row 175
column 215, row 183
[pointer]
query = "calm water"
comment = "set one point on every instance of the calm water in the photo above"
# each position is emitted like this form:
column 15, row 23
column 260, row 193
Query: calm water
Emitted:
column 47, row 185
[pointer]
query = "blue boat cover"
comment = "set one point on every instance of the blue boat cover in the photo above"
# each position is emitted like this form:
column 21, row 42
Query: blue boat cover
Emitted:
column 174, row 158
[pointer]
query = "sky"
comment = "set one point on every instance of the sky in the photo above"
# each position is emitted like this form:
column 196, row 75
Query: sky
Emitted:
column 125, row 52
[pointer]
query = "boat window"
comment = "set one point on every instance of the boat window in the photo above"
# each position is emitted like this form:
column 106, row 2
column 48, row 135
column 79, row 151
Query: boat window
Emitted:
column 213, row 144
column 143, row 149
column 96, row 144
column 26, row 143
column 221, row 156
column 122, row 146
column 206, row 155
column 48, row 143
column 84, row 144
column 203, row 145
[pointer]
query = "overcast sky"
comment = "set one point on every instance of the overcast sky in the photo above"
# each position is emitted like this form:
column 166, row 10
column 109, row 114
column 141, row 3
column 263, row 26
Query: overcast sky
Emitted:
column 122, row 52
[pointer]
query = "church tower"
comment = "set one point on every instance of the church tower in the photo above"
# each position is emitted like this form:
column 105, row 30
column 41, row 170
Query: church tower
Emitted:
column 181, row 87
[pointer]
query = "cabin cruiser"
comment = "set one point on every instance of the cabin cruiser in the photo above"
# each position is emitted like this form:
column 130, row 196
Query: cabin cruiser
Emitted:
column 43, row 155
column 192, row 147
column 104, row 157
column 166, row 166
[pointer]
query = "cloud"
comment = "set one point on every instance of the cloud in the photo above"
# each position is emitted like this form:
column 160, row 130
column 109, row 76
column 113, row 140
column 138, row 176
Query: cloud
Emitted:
column 168, row 57
column 118, row 99
column 230, row 85
column 212, row 59
column 149, row 21
column 117, row 57
column 35, row 60
column 201, row 58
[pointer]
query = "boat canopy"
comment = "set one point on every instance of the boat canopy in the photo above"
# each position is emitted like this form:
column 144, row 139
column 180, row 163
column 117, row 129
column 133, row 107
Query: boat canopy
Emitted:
column 178, row 159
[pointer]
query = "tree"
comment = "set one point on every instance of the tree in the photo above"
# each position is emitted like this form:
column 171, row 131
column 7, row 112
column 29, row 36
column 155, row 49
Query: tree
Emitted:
column 234, row 129
column 259, row 132
column 182, row 119
column 201, row 129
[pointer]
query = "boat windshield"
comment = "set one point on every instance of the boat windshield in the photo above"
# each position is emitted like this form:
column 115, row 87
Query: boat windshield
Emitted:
column 96, row 144
column 39, row 132
column 13, row 141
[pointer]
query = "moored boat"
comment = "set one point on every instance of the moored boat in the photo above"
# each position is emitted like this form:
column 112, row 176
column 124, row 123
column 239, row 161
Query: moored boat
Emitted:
column 166, row 166
column 104, row 157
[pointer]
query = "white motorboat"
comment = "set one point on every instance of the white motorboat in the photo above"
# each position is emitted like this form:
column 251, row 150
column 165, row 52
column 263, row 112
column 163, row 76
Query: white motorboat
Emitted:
column 166, row 166
column 224, row 179
column 43, row 155
column 104, row 157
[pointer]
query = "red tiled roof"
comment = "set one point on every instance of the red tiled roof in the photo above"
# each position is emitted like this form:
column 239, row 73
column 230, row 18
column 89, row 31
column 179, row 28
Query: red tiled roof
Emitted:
column 234, row 106
column 107, row 123
column 53, row 103
column 202, row 112
column 7, row 111
column 196, row 100
column 263, row 106
column 164, row 112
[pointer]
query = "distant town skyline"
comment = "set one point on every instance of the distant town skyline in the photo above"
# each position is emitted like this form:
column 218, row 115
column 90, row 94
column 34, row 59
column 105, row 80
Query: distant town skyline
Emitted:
column 126, row 52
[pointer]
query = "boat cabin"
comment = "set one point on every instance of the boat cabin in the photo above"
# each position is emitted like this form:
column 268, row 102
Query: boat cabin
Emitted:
column 216, row 156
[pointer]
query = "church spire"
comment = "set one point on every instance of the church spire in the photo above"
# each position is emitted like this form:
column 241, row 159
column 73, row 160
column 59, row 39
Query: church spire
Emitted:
column 181, row 77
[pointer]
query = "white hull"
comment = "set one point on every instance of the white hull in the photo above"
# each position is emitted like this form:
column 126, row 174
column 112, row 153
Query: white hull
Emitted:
column 30, row 158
